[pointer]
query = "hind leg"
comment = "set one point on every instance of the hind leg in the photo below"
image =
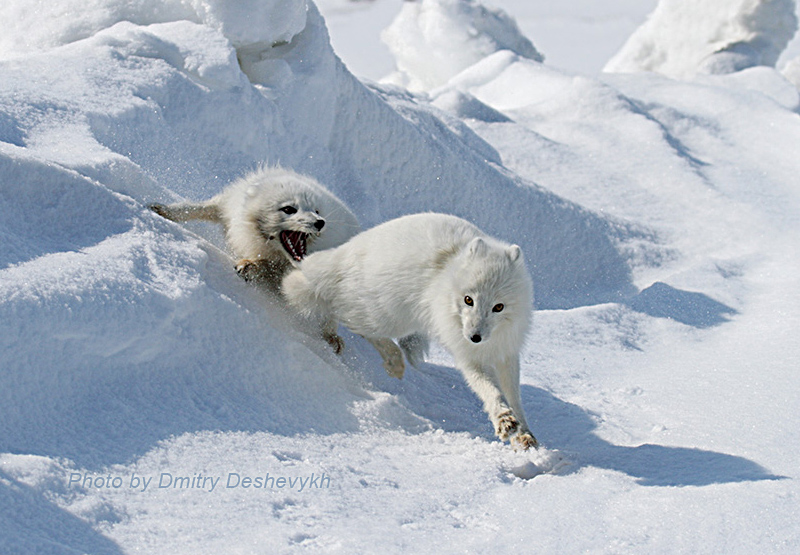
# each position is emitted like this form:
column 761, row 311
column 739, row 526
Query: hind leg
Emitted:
column 185, row 211
column 391, row 354
column 299, row 295
column 415, row 347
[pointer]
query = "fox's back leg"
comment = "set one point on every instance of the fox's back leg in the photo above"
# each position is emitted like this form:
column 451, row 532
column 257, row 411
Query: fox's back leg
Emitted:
column 391, row 354
column 300, row 295
column 185, row 211
column 415, row 347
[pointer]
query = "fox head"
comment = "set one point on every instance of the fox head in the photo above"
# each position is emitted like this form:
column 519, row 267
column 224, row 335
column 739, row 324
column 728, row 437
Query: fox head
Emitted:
column 491, row 292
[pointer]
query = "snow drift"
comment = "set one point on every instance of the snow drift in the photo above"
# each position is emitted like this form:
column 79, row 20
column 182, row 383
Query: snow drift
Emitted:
column 680, row 39
column 433, row 40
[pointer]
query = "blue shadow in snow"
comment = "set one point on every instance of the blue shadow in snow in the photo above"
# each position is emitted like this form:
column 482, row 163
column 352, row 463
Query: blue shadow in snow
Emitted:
column 30, row 523
column 693, row 309
column 440, row 395
column 570, row 429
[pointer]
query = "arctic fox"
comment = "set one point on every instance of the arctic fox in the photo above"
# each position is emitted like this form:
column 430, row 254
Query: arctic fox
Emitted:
column 272, row 217
column 430, row 275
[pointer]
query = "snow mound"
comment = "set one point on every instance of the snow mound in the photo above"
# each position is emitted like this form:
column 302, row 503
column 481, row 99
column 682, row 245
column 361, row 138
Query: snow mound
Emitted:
column 680, row 39
column 433, row 40
column 31, row 26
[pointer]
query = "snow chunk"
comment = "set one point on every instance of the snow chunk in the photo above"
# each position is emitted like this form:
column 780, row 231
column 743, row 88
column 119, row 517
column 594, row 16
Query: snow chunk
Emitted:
column 433, row 40
column 680, row 39
column 27, row 26
column 792, row 71
column 247, row 22
column 530, row 464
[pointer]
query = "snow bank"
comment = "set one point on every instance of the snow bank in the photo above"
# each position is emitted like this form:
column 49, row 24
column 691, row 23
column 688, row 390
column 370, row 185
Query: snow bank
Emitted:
column 186, row 118
column 31, row 26
column 433, row 40
column 680, row 39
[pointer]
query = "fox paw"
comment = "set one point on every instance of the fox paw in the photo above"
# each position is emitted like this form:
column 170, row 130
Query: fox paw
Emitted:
column 247, row 269
column 524, row 441
column 506, row 425
column 336, row 342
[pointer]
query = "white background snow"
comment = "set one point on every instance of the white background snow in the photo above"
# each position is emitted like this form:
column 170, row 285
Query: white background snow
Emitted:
column 660, row 218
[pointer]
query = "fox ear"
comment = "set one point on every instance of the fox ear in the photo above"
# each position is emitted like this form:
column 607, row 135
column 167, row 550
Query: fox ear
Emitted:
column 477, row 247
column 513, row 252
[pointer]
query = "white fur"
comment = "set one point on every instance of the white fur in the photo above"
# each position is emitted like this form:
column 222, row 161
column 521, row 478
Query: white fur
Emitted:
column 250, row 209
column 408, row 278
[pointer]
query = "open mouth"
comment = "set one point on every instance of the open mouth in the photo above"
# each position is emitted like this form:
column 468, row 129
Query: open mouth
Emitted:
column 295, row 243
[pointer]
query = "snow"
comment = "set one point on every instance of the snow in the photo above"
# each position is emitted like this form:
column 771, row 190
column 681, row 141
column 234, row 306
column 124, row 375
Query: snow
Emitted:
column 40, row 25
column 659, row 217
column 433, row 40
column 708, row 36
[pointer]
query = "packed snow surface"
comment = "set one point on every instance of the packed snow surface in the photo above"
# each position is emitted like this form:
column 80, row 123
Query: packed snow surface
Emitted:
column 153, row 402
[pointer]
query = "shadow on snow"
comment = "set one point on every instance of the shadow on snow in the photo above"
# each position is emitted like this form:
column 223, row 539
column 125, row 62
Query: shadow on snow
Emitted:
column 440, row 395
column 693, row 309
column 30, row 523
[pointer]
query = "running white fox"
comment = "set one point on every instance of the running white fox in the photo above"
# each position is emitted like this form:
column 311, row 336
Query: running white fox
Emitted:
column 429, row 275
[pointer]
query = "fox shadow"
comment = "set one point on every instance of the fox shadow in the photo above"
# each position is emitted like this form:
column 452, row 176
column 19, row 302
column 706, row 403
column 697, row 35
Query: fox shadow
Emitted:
column 439, row 394
column 571, row 429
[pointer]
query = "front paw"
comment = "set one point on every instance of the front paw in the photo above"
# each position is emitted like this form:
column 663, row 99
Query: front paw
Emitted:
column 506, row 425
column 524, row 441
column 248, row 270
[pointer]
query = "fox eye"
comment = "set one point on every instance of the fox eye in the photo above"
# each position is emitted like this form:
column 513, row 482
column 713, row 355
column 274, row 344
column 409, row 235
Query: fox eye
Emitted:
column 498, row 307
column 289, row 210
column 468, row 301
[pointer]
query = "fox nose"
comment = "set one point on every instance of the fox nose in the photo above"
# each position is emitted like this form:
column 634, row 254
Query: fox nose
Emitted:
column 319, row 224
column 475, row 338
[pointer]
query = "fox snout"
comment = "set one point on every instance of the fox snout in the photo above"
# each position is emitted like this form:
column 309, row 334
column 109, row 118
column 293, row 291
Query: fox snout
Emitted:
column 476, row 331
column 314, row 223
column 476, row 336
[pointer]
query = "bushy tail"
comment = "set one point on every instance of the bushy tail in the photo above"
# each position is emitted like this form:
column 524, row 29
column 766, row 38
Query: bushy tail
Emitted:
column 185, row 211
